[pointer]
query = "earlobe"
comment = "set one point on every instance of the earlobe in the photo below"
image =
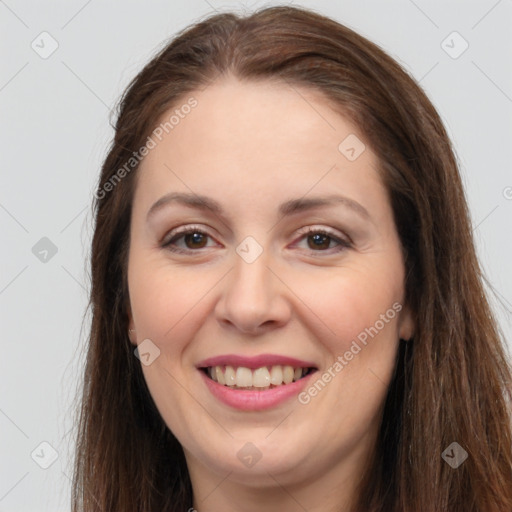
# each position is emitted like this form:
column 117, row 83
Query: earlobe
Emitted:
column 132, row 334
column 406, row 324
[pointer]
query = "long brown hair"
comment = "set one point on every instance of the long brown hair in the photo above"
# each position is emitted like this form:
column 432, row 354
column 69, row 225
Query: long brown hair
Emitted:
column 452, row 381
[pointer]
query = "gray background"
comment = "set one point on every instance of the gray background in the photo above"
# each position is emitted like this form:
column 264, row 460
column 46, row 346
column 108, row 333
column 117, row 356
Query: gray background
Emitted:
column 55, row 131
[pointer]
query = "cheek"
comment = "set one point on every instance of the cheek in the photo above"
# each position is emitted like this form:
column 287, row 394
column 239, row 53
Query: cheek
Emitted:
column 167, row 302
column 353, row 300
column 359, row 308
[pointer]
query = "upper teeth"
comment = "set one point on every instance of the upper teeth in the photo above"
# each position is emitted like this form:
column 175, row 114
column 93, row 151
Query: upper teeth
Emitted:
column 260, row 378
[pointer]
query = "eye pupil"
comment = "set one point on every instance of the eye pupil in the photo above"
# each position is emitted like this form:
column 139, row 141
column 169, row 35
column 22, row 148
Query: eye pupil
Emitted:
column 320, row 240
column 195, row 238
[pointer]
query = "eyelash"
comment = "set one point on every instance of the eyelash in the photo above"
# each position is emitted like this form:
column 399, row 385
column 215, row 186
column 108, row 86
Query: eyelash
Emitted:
column 180, row 232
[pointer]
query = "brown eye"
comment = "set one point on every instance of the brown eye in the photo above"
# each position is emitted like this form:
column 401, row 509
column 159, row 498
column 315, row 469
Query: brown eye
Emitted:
column 195, row 240
column 187, row 240
column 319, row 241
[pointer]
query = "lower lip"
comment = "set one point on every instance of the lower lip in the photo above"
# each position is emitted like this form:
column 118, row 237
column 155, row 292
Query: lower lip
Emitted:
column 246, row 400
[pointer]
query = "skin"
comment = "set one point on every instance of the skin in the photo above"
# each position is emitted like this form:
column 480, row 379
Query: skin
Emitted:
column 251, row 146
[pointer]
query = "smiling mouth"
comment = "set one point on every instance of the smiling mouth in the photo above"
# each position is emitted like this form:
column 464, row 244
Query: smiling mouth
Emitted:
column 259, row 379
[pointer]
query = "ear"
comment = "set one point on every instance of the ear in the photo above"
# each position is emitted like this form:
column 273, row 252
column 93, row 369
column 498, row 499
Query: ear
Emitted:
column 132, row 333
column 406, row 324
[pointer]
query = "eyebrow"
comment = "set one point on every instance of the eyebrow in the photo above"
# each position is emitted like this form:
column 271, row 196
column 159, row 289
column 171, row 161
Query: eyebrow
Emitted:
column 290, row 207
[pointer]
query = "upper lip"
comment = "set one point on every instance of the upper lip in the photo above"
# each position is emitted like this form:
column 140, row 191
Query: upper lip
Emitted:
column 254, row 361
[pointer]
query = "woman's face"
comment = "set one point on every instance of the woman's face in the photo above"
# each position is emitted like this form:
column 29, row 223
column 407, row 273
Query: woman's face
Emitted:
column 278, row 255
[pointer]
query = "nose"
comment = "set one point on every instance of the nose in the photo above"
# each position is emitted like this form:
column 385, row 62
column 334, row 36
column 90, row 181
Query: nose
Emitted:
column 254, row 298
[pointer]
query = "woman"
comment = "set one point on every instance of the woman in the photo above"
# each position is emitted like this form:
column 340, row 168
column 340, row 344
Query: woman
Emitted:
column 288, row 313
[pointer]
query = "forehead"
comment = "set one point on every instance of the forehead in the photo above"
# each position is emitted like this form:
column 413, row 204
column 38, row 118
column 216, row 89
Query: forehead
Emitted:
column 251, row 114
column 264, row 136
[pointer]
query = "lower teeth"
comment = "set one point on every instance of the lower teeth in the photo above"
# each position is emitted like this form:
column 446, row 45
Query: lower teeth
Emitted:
column 253, row 388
